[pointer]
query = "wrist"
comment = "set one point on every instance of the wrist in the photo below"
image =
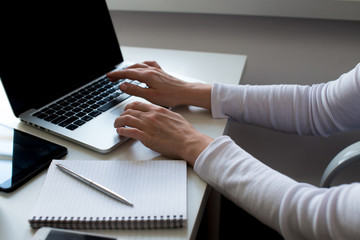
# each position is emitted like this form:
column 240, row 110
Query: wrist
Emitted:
column 197, row 94
column 194, row 146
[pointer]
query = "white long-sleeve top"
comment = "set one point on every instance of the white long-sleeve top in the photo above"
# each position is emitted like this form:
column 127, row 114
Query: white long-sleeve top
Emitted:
column 296, row 210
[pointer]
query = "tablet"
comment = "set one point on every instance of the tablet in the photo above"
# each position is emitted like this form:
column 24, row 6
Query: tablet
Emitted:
column 61, row 234
column 22, row 156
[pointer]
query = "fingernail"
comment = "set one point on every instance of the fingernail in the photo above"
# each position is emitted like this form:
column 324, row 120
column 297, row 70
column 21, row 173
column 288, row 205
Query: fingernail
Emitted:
column 123, row 87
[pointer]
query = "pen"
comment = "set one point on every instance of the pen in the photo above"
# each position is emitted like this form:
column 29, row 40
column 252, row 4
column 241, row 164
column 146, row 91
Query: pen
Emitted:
column 94, row 184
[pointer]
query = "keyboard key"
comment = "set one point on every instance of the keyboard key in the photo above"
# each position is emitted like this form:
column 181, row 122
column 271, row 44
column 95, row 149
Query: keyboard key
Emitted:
column 79, row 122
column 88, row 97
column 40, row 115
column 86, row 118
column 88, row 110
column 95, row 113
column 77, row 110
column 91, row 102
column 68, row 108
column 55, row 107
column 72, row 127
column 114, row 102
column 82, row 100
column 49, row 112
column 60, row 112
column 61, row 102
column 80, row 114
column 59, row 119
column 68, row 121
column 69, row 114
column 115, row 95
column 74, row 104
column 84, row 104
column 101, row 102
column 97, row 98
column 95, row 106
column 51, row 117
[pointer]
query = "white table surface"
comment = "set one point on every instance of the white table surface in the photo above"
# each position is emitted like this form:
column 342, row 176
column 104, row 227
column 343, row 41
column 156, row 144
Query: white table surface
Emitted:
column 16, row 207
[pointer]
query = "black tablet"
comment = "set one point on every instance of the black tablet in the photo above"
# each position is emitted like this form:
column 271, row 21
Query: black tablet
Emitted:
column 22, row 156
column 46, row 233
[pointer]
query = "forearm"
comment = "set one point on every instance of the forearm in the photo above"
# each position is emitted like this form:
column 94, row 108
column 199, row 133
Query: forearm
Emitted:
column 320, row 109
column 279, row 107
column 243, row 179
column 296, row 210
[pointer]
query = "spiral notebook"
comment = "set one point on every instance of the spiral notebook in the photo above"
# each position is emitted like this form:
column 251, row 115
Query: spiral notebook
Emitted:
column 157, row 188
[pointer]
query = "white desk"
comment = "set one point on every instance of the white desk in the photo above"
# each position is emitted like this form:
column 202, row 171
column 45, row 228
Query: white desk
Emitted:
column 16, row 207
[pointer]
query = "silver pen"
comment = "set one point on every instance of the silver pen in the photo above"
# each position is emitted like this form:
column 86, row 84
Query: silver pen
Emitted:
column 94, row 184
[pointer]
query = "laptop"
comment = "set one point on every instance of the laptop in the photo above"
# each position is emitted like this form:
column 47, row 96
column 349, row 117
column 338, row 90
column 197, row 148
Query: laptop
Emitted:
column 54, row 57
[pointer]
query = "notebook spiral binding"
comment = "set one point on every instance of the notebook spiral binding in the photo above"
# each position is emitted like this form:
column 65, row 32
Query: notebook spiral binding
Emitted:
column 110, row 223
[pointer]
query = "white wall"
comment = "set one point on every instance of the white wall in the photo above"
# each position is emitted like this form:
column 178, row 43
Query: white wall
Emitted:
column 325, row 9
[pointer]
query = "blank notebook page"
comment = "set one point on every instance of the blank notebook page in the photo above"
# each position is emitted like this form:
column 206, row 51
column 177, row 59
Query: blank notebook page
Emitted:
column 158, row 189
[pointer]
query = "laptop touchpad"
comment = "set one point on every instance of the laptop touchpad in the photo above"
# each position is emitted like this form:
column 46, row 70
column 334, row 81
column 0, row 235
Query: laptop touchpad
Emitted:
column 119, row 110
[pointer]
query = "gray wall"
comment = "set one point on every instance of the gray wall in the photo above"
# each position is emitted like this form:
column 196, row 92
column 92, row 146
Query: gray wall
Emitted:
column 325, row 9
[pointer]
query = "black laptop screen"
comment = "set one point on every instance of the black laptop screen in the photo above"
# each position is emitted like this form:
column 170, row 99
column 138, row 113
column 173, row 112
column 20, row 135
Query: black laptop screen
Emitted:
column 52, row 47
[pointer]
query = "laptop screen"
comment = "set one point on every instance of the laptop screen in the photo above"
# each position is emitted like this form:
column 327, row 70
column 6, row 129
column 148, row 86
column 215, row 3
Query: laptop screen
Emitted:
column 53, row 47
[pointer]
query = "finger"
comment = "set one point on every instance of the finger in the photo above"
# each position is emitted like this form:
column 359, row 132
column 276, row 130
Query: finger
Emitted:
column 132, row 74
column 138, row 65
column 121, row 74
column 145, row 64
column 116, row 75
column 152, row 64
column 135, row 90
column 129, row 121
column 131, row 133
column 146, row 107
column 139, row 106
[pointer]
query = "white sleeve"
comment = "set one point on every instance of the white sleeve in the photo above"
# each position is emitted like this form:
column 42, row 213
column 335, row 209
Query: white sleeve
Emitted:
column 296, row 210
column 320, row 109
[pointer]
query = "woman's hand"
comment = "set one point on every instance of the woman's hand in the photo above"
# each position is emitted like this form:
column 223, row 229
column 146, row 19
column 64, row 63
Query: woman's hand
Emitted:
column 163, row 89
column 162, row 130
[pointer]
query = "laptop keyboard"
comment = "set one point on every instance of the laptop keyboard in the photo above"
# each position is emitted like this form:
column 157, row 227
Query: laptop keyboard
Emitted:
column 85, row 104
